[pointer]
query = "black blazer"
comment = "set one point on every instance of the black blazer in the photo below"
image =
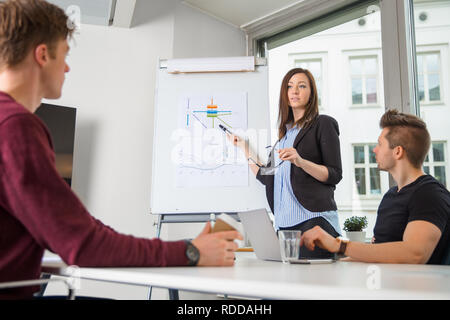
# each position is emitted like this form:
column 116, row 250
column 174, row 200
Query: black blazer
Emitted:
column 318, row 143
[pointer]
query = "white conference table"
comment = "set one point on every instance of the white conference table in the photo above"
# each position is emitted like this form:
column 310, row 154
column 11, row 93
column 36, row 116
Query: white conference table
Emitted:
column 254, row 278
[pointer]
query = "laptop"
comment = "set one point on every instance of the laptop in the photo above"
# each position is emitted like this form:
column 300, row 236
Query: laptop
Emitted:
column 260, row 231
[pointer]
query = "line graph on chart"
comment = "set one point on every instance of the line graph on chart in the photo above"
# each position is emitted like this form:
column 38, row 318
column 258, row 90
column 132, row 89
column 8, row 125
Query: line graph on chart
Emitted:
column 205, row 156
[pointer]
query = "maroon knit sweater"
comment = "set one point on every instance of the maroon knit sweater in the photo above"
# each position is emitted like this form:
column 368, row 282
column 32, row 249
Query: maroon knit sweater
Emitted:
column 38, row 211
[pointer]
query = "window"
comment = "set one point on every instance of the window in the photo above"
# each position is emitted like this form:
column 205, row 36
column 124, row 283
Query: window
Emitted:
column 364, row 78
column 429, row 77
column 315, row 67
column 367, row 175
column 432, row 37
column 435, row 162
column 327, row 47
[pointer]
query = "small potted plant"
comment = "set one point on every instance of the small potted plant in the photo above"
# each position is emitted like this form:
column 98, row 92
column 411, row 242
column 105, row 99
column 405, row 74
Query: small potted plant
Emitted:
column 354, row 227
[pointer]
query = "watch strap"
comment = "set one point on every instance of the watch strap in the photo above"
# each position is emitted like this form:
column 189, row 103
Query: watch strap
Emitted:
column 342, row 247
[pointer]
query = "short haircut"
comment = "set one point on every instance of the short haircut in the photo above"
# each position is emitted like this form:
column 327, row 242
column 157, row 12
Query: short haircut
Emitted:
column 25, row 24
column 409, row 132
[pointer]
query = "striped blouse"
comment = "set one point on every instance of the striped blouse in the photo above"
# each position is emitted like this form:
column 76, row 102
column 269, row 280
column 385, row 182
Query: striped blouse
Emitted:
column 288, row 211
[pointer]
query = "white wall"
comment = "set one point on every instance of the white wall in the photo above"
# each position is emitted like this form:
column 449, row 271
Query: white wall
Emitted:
column 112, row 83
column 199, row 35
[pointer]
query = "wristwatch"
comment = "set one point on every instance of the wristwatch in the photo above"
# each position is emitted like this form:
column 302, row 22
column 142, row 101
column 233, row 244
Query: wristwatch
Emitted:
column 192, row 253
column 342, row 247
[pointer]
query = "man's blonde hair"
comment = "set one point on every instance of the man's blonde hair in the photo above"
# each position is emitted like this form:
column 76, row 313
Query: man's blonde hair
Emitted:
column 25, row 24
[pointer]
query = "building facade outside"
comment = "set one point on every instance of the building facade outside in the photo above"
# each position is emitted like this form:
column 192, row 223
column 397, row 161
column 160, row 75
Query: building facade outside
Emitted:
column 346, row 62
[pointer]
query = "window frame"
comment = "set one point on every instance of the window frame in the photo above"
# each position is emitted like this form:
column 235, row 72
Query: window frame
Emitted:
column 361, row 54
column 398, row 43
column 363, row 76
column 431, row 164
column 367, row 166
column 315, row 56
column 433, row 49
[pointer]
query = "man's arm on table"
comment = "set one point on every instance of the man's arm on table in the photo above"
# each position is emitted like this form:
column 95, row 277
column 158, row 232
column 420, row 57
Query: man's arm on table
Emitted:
column 419, row 241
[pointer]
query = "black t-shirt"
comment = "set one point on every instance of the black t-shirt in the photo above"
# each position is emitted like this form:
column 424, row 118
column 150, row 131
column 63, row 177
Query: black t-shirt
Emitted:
column 424, row 199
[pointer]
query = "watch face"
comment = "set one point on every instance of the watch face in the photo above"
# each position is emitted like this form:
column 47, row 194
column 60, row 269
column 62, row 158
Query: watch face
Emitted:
column 192, row 254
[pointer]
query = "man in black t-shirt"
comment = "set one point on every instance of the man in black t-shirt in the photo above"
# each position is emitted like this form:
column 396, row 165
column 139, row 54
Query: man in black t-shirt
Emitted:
column 413, row 218
column 424, row 200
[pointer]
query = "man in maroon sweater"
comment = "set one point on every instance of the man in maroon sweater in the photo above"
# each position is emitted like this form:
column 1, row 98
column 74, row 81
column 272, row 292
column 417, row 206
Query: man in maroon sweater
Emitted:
column 38, row 210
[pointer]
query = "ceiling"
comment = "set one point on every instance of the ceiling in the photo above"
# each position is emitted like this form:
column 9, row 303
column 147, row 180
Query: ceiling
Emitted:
column 240, row 12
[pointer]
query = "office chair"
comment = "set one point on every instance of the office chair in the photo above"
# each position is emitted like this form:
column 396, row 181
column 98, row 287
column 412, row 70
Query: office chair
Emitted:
column 40, row 282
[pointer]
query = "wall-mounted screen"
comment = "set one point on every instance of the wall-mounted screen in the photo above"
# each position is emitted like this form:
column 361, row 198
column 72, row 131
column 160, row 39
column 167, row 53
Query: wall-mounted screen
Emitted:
column 61, row 124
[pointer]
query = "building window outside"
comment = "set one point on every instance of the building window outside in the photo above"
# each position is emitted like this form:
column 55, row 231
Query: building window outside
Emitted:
column 315, row 67
column 429, row 77
column 435, row 163
column 432, row 37
column 367, row 175
column 364, row 80
column 333, row 50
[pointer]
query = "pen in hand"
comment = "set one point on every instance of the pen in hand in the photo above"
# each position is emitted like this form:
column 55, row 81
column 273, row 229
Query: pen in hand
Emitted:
column 225, row 129
column 233, row 138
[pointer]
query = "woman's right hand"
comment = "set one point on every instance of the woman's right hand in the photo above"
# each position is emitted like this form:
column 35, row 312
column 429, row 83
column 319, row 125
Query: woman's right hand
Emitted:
column 237, row 141
column 244, row 146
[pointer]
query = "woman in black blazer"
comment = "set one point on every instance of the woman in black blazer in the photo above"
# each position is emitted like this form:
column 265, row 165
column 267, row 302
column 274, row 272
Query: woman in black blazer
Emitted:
column 302, row 174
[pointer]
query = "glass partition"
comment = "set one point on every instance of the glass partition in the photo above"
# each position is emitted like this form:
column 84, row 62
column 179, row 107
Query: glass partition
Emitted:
column 346, row 61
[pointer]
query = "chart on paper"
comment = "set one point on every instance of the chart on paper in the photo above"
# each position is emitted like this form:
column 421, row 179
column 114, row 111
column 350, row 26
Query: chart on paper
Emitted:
column 204, row 155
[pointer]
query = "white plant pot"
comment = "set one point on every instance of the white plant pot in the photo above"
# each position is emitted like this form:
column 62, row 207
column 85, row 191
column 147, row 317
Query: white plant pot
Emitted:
column 358, row 236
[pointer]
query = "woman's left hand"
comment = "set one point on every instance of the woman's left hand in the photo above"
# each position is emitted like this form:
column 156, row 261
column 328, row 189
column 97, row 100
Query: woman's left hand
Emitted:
column 290, row 154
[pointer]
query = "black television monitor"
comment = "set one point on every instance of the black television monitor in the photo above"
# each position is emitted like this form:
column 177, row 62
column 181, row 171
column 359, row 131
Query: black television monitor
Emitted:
column 60, row 121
